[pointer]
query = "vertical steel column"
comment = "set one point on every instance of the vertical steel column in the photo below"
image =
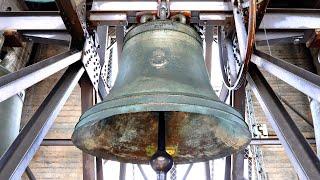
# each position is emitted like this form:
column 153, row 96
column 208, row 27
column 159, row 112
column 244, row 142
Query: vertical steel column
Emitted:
column 237, row 160
column 315, row 108
column 208, row 40
column 207, row 170
column 301, row 155
column 123, row 168
column 86, row 103
column 227, row 169
column 119, row 39
column 99, row 168
column 315, row 112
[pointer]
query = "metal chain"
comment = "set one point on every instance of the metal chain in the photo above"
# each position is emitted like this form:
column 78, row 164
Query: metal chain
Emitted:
column 109, row 71
column 173, row 172
column 254, row 154
column 212, row 169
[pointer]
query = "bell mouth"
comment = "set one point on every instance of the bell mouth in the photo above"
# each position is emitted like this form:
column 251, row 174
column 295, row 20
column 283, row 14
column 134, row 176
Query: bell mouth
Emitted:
column 125, row 129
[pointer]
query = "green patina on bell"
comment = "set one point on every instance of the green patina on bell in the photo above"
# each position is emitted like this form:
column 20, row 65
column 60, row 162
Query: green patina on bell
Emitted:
column 161, row 69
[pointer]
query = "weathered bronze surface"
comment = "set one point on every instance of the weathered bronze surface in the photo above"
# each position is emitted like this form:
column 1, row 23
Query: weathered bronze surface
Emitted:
column 161, row 69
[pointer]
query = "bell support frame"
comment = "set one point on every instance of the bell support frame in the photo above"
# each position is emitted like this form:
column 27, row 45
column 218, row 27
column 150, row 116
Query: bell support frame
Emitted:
column 217, row 13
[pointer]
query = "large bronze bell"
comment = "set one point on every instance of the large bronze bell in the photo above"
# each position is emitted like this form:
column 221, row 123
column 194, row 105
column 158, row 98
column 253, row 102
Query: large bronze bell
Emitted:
column 162, row 69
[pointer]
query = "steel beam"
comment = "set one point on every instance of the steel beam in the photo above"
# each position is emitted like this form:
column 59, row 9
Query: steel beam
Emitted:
column 237, row 160
column 303, row 80
column 276, row 38
column 87, row 101
column 301, row 155
column 291, row 19
column 74, row 20
column 14, row 162
column 15, row 82
column 108, row 18
column 31, row 20
column 48, row 37
column 57, row 142
column 273, row 141
column 186, row 5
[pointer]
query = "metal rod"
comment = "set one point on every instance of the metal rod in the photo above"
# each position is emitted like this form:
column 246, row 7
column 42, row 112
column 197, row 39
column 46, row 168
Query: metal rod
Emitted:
column 295, row 110
column 274, row 141
column 207, row 170
column 15, row 82
column 187, row 172
column 30, row 174
column 99, row 168
column 106, row 6
column 142, row 172
column 227, row 172
column 14, row 162
column 122, row 174
column 301, row 155
column 303, row 80
column 161, row 132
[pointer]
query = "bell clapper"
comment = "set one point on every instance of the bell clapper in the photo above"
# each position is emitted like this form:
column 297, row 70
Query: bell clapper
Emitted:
column 161, row 161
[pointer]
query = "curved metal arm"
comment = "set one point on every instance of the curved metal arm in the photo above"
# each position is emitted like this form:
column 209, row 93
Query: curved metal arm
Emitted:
column 246, row 43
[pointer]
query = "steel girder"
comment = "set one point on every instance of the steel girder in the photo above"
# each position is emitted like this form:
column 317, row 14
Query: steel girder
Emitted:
column 87, row 100
column 16, row 159
column 303, row 80
column 301, row 155
column 280, row 19
column 18, row 81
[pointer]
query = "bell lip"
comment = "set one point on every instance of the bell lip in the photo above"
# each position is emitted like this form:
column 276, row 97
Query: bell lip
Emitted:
column 227, row 153
column 182, row 102
column 165, row 25
column 105, row 109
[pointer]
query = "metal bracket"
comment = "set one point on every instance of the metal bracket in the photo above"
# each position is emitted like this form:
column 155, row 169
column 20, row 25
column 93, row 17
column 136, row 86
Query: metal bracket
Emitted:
column 106, row 70
column 91, row 62
column 163, row 9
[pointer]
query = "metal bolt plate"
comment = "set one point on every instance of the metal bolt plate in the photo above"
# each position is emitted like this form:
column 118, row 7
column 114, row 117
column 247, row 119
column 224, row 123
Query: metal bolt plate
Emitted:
column 91, row 62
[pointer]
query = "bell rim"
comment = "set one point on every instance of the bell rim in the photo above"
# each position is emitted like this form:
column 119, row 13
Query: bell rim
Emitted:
column 234, row 120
